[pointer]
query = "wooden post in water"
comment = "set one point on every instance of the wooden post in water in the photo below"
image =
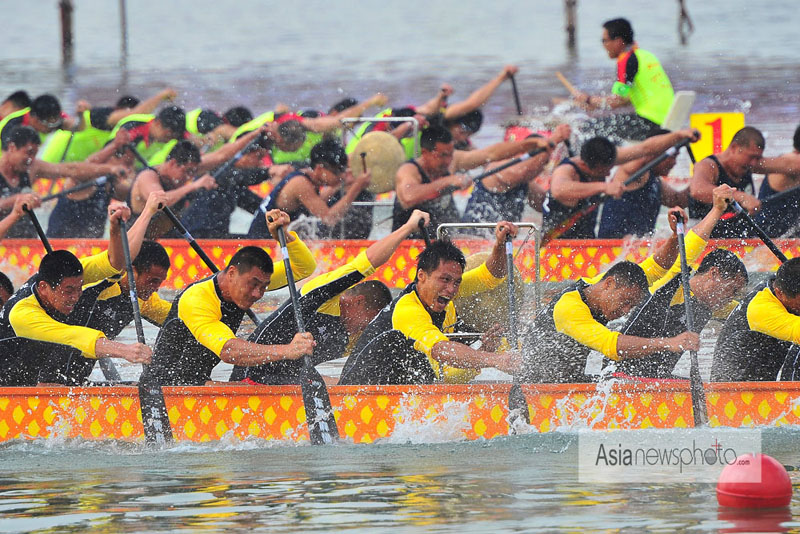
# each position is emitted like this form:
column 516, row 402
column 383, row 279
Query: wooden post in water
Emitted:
column 570, row 8
column 66, row 8
column 123, row 35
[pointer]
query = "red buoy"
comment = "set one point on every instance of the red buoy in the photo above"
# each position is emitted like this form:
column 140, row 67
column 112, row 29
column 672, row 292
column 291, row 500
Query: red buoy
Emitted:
column 742, row 486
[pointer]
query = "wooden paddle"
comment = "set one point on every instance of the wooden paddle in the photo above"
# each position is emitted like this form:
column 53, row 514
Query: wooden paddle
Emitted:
column 699, row 408
column 424, row 233
column 516, row 93
column 517, row 404
column 199, row 250
column 760, row 232
column 565, row 82
column 155, row 419
column 322, row 427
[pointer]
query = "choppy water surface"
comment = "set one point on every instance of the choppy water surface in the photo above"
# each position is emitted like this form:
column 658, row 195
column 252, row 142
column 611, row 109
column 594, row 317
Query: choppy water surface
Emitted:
column 310, row 54
column 517, row 484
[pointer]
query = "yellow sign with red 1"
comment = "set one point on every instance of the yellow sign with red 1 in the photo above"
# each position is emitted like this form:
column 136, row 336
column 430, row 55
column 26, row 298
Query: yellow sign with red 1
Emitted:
column 716, row 131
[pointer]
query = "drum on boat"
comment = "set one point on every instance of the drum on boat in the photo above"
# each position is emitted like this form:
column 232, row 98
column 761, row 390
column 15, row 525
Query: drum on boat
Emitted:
column 383, row 156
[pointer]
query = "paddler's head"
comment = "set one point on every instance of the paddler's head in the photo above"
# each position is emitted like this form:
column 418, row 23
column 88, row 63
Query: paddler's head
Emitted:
column 6, row 288
column 361, row 303
column 787, row 285
column 328, row 163
column 181, row 163
column 60, row 281
column 465, row 126
column 46, row 114
column 745, row 151
column 20, row 148
column 440, row 268
column 619, row 291
column 617, row 36
column 290, row 135
column 14, row 102
column 150, row 268
column 169, row 124
column 720, row 277
column 247, row 276
column 437, row 148
column 599, row 156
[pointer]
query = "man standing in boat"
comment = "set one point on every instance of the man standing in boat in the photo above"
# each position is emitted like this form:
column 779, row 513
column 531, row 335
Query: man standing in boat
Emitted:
column 200, row 330
column 735, row 166
column 46, row 316
column 407, row 343
column 763, row 332
column 428, row 182
column 641, row 82
column 578, row 185
column 336, row 307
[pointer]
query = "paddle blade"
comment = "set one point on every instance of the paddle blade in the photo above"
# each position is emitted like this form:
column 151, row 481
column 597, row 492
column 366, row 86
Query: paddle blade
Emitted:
column 517, row 407
column 155, row 420
column 322, row 429
column 699, row 409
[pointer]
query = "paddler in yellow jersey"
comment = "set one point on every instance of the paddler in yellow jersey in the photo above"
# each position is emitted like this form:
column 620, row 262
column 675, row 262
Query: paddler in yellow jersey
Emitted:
column 200, row 330
column 406, row 343
column 641, row 82
column 46, row 317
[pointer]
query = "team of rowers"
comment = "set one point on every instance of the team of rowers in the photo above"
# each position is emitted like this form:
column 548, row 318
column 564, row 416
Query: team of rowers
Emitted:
column 66, row 316
column 69, row 313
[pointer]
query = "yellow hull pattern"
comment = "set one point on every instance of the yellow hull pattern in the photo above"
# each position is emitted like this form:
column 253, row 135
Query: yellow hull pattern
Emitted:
column 369, row 413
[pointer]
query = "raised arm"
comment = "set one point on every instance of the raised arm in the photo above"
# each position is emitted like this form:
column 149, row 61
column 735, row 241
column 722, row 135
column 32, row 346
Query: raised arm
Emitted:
column 479, row 97
column 469, row 159
column 567, row 189
column 155, row 201
column 496, row 262
column 23, row 199
column 214, row 159
column 433, row 105
column 412, row 192
column 116, row 211
column 655, row 145
column 145, row 106
column 358, row 110
column 79, row 171
column 380, row 251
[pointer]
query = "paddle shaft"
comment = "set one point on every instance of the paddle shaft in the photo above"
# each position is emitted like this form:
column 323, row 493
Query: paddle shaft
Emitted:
column 424, row 233
column 672, row 151
column 198, row 249
column 761, row 233
column 517, row 404
column 516, row 93
column 39, row 230
column 565, row 82
column 80, row 187
column 508, row 164
column 696, row 383
column 319, row 413
column 157, row 428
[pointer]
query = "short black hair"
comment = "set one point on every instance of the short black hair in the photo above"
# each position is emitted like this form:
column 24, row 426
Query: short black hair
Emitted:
column 727, row 263
column 207, row 120
column 21, row 136
column 250, row 256
column 343, row 104
column 629, row 274
column 173, row 119
column 375, row 293
column 184, row 152
column 619, row 28
column 796, row 139
column 6, row 284
column 598, row 152
column 57, row 265
column 787, row 278
column 127, row 102
column 748, row 136
column 46, row 108
column 21, row 99
column 236, row 116
column 292, row 132
column 439, row 251
column 151, row 254
column 329, row 153
column 470, row 122
column 434, row 134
